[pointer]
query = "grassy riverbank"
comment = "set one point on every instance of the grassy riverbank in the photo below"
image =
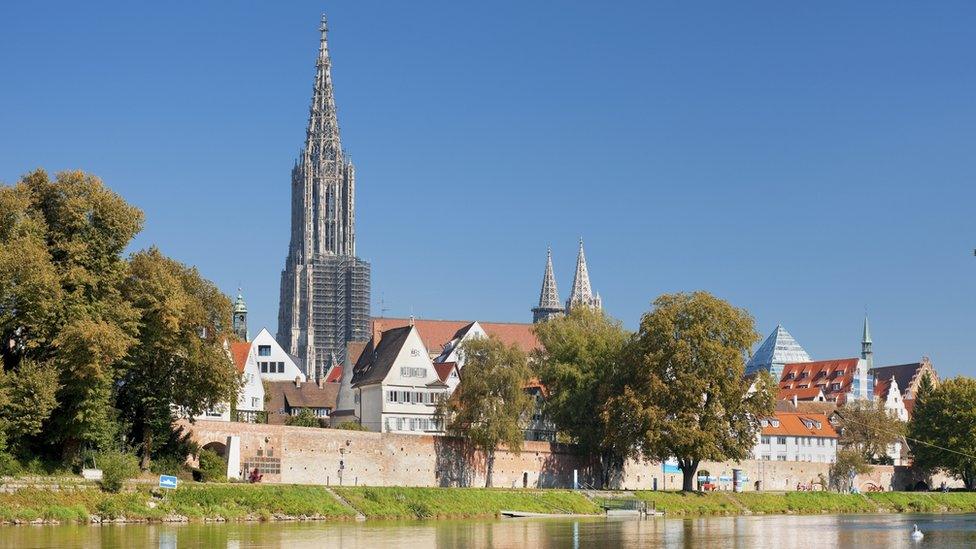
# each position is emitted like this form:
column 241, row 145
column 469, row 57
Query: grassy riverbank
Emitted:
column 727, row 503
column 190, row 502
column 422, row 503
column 237, row 502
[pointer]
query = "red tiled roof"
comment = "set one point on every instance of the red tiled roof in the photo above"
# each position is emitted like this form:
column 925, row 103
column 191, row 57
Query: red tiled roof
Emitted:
column 437, row 333
column 792, row 424
column 238, row 352
column 881, row 387
column 909, row 406
column 443, row 369
column 809, row 393
column 907, row 376
column 822, row 373
column 335, row 375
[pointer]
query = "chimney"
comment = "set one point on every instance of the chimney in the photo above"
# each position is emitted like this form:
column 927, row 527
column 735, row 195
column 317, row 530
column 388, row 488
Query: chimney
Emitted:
column 298, row 382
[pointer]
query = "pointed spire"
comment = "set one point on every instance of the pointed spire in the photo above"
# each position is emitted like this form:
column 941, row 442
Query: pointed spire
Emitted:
column 866, row 337
column 549, row 305
column 581, row 293
column 866, row 352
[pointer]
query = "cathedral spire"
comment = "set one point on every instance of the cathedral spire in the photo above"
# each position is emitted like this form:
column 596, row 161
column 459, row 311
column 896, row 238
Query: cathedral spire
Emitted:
column 549, row 305
column 581, row 293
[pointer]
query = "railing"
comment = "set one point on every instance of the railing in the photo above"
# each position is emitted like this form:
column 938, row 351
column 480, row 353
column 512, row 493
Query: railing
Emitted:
column 249, row 416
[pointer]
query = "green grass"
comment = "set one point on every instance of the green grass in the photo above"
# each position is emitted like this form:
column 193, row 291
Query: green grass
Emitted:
column 720, row 503
column 205, row 501
column 422, row 503
column 689, row 503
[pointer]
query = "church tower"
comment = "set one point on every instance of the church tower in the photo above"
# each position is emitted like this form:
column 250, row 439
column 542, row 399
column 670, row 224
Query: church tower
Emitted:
column 866, row 353
column 240, row 317
column 582, row 294
column 324, row 286
column 549, row 305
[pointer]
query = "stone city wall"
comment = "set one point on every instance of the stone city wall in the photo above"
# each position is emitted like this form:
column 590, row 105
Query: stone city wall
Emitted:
column 304, row 455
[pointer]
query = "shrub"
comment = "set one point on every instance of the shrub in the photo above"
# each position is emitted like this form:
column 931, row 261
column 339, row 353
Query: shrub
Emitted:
column 212, row 466
column 304, row 419
column 352, row 426
column 117, row 467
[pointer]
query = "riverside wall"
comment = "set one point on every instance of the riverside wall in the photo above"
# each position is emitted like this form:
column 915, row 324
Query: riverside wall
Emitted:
column 304, row 455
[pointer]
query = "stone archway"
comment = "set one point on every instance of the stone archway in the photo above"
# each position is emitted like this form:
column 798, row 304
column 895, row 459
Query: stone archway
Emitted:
column 216, row 447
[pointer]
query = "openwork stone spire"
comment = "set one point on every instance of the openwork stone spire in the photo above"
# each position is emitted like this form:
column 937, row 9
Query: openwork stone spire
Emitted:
column 324, row 286
column 323, row 180
column 549, row 305
column 582, row 294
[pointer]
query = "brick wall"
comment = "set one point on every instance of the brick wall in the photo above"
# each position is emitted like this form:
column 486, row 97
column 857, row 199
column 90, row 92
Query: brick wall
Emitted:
column 304, row 455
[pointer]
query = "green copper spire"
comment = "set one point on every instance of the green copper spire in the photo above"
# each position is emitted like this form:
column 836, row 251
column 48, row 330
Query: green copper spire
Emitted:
column 866, row 338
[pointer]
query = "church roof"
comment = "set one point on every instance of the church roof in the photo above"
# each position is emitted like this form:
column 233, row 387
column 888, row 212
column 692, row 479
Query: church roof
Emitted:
column 906, row 376
column 549, row 296
column 779, row 348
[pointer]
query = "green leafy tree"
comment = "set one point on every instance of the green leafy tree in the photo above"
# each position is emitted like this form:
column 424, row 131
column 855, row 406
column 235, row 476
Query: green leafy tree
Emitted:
column 849, row 463
column 943, row 429
column 869, row 429
column 178, row 364
column 578, row 365
column 490, row 404
column 61, row 270
column 27, row 398
column 117, row 467
column 681, row 390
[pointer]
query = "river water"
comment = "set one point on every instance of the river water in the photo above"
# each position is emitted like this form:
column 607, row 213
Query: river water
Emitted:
column 811, row 532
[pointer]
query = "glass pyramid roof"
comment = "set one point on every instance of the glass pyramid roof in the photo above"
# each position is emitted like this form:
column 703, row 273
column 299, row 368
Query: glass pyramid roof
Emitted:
column 779, row 349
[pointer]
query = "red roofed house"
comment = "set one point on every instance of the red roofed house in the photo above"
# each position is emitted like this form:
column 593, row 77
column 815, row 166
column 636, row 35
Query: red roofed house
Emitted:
column 795, row 436
column 836, row 380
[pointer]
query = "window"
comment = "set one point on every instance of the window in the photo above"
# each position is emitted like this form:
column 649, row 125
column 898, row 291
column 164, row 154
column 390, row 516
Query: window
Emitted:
column 254, row 402
column 281, row 367
column 765, row 440
column 399, row 423
column 780, row 440
column 804, row 375
column 264, row 367
column 780, row 458
column 835, row 386
column 765, row 458
column 413, row 372
column 264, row 350
column 392, row 396
column 355, row 398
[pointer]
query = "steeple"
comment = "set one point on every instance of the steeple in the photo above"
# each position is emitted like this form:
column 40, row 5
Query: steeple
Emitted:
column 581, row 293
column 323, row 179
column 240, row 317
column 549, row 305
column 866, row 353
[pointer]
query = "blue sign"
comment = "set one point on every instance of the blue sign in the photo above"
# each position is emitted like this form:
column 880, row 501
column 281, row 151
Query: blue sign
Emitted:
column 167, row 481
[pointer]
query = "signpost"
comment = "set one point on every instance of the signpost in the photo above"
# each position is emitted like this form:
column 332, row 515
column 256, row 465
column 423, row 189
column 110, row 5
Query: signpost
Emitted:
column 167, row 481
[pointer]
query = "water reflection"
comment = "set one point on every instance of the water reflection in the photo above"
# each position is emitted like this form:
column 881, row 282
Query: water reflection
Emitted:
column 736, row 532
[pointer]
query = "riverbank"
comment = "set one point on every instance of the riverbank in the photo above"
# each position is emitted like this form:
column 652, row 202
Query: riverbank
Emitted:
column 244, row 502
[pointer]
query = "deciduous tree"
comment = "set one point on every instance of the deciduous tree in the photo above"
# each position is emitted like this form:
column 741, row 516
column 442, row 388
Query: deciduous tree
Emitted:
column 869, row 429
column 682, row 392
column 178, row 364
column 579, row 366
column 490, row 404
column 943, row 429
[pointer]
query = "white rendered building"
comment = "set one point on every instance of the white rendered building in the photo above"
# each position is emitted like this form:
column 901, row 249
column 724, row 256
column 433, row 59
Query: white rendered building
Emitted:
column 794, row 436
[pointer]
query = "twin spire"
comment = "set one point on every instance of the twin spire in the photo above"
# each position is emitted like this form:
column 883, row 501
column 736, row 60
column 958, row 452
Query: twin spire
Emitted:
column 581, row 294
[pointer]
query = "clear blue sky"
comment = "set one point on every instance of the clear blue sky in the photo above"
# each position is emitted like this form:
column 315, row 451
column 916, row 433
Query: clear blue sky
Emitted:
column 802, row 160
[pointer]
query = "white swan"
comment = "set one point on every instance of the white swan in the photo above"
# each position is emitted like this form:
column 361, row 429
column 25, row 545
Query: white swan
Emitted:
column 917, row 534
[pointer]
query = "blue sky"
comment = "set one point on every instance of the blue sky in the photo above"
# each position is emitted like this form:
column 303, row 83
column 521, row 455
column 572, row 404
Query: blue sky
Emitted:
column 804, row 161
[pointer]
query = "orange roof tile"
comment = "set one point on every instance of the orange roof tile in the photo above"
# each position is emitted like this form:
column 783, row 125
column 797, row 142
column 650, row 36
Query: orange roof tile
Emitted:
column 238, row 352
column 792, row 424
column 443, row 369
column 437, row 333
column 809, row 393
column 824, row 373
column 335, row 375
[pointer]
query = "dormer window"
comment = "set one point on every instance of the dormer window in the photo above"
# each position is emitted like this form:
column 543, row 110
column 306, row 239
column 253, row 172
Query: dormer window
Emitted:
column 838, row 373
column 804, row 375
column 790, row 375
column 775, row 422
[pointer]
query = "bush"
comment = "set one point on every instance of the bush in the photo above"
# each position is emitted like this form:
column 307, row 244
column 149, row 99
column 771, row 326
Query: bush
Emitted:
column 117, row 467
column 305, row 418
column 352, row 426
column 169, row 465
column 212, row 466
